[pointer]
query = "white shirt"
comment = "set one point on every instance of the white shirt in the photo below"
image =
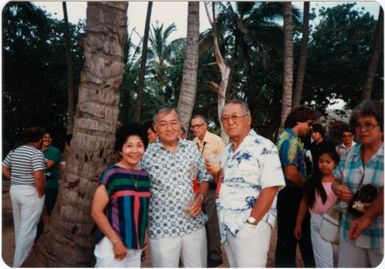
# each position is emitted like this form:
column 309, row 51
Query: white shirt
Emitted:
column 255, row 165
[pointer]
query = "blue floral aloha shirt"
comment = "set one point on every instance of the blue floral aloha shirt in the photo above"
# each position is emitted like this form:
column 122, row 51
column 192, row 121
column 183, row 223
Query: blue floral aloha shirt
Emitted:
column 171, row 175
column 252, row 167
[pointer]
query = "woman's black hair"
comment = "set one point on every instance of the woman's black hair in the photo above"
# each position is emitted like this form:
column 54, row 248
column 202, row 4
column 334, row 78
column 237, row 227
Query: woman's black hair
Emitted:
column 314, row 183
column 316, row 127
column 127, row 130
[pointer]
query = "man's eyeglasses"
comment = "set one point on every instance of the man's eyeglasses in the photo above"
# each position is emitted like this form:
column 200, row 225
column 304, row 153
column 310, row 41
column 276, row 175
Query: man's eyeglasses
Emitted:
column 172, row 124
column 234, row 117
column 367, row 126
column 196, row 126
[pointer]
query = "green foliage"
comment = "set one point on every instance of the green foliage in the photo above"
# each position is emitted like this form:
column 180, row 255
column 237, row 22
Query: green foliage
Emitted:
column 34, row 71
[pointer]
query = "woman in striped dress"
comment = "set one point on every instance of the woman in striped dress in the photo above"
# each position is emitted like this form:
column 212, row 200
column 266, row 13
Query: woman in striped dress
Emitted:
column 120, row 203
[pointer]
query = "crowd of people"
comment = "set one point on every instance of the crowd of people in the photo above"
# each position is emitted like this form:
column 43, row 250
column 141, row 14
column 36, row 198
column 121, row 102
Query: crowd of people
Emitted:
column 183, row 200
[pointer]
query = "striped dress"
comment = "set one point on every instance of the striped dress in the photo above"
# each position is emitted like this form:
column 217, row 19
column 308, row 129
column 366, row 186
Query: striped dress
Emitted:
column 127, row 210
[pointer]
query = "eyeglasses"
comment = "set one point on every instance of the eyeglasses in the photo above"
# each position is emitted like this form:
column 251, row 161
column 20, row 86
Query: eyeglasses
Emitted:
column 234, row 117
column 196, row 126
column 172, row 124
column 367, row 126
column 347, row 135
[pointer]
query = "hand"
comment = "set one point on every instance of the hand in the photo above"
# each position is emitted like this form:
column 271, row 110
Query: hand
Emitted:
column 297, row 231
column 343, row 192
column 212, row 169
column 120, row 250
column 357, row 226
column 196, row 207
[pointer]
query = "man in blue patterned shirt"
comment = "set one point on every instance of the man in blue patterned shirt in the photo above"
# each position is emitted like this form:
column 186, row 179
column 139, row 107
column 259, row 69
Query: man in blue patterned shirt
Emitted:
column 247, row 197
column 172, row 165
column 291, row 154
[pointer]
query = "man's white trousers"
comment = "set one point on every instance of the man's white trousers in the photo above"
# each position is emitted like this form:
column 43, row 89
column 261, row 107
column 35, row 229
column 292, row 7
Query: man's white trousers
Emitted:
column 27, row 208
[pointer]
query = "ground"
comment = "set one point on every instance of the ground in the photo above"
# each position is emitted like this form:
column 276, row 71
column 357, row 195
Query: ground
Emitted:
column 8, row 242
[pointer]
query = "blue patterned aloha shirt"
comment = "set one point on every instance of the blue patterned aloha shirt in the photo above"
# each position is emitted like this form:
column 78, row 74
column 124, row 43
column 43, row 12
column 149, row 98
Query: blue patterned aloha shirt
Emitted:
column 252, row 167
column 291, row 150
column 350, row 171
column 171, row 175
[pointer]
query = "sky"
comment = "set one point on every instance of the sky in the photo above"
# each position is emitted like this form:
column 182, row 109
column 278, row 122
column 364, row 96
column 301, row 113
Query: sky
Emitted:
column 167, row 13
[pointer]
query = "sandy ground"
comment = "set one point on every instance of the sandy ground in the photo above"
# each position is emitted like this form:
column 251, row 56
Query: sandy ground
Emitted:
column 8, row 243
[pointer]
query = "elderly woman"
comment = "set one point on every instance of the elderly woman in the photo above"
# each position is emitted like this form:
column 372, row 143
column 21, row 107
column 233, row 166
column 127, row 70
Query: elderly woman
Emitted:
column 120, row 203
column 362, row 170
column 25, row 167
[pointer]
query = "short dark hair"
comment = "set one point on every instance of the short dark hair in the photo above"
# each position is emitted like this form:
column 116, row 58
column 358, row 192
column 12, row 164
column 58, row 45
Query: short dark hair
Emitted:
column 127, row 130
column 196, row 116
column 301, row 114
column 346, row 130
column 33, row 134
column 368, row 108
column 165, row 109
column 316, row 127
column 148, row 125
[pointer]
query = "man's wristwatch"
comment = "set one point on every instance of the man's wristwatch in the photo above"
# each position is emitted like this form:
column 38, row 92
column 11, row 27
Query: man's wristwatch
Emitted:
column 252, row 220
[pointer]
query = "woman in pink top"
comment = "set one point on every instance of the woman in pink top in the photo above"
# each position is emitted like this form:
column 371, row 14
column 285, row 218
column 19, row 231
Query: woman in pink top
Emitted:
column 318, row 198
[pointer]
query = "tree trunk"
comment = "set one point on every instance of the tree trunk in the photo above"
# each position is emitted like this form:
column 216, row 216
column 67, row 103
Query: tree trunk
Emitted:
column 223, row 68
column 138, row 104
column 70, row 77
column 68, row 240
column 303, row 57
column 190, row 70
column 374, row 56
column 287, row 62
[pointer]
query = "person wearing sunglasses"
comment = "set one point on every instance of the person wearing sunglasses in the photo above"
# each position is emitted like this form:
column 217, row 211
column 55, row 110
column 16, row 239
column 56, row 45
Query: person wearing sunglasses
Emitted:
column 362, row 235
column 292, row 156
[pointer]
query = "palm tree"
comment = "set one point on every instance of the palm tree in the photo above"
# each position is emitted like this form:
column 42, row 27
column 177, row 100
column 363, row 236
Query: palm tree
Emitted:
column 189, row 81
column 303, row 57
column 138, row 103
column 68, row 240
column 287, row 91
column 374, row 56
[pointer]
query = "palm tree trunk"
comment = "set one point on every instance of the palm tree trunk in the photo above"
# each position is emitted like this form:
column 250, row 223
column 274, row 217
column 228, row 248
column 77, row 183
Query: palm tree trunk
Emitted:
column 138, row 104
column 68, row 240
column 190, row 70
column 374, row 56
column 303, row 57
column 287, row 62
column 70, row 77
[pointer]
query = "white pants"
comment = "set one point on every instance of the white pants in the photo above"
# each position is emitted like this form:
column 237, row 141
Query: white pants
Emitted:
column 192, row 248
column 105, row 257
column 27, row 208
column 249, row 248
column 352, row 256
column 323, row 250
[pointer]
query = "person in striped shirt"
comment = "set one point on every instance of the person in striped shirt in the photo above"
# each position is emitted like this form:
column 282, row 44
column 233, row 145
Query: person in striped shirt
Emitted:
column 25, row 167
column 120, row 203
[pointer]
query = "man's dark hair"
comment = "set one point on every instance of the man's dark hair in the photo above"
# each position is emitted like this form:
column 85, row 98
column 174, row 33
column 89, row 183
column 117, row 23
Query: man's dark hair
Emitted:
column 368, row 108
column 148, row 125
column 346, row 129
column 127, row 130
column 301, row 114
column 196, row 116
column 316, row 127
column 33, row 134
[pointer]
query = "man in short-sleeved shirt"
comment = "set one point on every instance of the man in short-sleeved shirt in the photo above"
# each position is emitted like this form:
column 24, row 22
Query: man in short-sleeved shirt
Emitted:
column 252, row 177
column 292, row 156
column 176, row 223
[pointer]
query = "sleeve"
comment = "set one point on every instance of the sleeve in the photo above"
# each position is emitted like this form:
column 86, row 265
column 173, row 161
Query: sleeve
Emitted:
column 53, row 155
column 271, row 168
column 203, row 175
column 105, row 179
column 8, row 160
column 38, row 161
column 339, row 170
column 289, row 152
